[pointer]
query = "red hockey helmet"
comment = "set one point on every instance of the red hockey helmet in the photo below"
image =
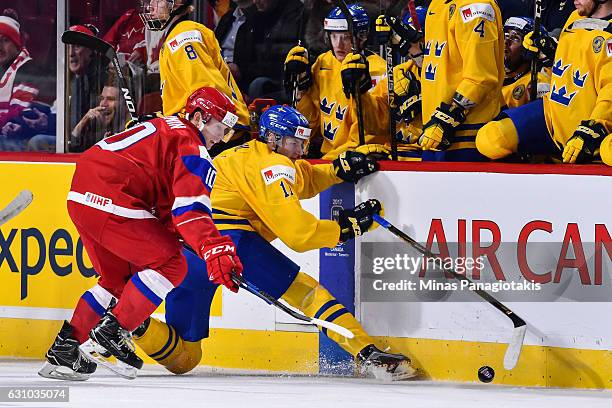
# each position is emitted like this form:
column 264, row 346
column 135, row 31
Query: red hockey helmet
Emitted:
column 212, row 103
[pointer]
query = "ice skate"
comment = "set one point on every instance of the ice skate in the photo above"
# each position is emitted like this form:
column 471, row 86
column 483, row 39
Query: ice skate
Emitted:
column 384, row 366
column 64, row 359
column 109, row 338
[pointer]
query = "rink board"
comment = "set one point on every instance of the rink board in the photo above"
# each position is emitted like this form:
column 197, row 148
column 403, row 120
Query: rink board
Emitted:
column 567, row 346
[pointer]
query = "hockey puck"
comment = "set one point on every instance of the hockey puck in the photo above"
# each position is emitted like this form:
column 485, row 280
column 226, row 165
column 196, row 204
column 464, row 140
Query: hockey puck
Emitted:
column 486, row 374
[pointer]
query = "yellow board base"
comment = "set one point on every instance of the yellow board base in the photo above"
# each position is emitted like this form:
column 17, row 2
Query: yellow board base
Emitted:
column 273, row 351
column 540, row 366
column 441, row 360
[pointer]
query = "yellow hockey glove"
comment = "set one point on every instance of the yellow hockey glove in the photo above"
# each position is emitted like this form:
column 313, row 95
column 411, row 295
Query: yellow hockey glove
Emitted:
column 584, row 144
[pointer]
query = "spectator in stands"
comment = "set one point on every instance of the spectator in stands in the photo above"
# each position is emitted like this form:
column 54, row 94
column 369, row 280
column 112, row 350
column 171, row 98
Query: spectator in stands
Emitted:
column 275, row 33
column 554, row 13
column 32, row 130
column 18, row 86
column 314, row 35
column 99, row 122
column 127, row 35
column 235, row 27
column 88, row 72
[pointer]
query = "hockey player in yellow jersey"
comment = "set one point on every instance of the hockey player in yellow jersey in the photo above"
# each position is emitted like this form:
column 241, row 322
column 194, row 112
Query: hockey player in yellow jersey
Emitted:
column 576, row 115
column 462, row 76
column 516, row 89
column 256, row 200
column 324, row 87
column 190, row 58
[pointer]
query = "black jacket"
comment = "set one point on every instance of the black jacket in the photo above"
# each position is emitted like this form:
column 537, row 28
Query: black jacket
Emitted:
column 261, row 49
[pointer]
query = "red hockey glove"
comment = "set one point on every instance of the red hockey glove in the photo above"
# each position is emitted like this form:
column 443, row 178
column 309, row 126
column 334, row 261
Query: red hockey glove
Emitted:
column 221, row 260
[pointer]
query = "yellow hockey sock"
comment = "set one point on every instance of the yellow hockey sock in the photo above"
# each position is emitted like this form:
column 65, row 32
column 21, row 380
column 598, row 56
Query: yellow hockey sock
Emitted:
column 310, row 297
column 497, row 139
column 162, row 343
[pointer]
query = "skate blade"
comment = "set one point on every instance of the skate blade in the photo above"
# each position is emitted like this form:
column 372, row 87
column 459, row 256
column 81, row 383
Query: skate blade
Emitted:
column 403, row 371
column 92, row 351
column 55, row 372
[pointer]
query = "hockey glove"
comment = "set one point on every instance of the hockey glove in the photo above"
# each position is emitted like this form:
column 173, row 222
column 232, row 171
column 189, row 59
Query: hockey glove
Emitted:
column 297, row 70
column 407, row 90
column 221, row 261
column 583, row 145
column 374, row 151
column 441, row 127
column 355, row 222
column 544, row 44
column 355, row 74
column 403, row 35
column 352, row 166
column 383, row 31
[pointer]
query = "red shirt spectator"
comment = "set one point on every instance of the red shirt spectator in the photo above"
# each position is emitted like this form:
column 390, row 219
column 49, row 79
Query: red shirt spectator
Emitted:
column 17, row 89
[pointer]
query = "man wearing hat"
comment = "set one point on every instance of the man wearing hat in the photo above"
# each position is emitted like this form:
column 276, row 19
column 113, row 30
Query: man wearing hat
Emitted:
column 16, row 71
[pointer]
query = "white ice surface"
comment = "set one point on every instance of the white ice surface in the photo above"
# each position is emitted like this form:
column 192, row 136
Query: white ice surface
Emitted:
column 156, row 388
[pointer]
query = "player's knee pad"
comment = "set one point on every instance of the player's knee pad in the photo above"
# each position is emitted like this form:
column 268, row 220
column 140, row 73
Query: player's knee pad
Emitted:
column 497, row 139
column 162, row 343
column 605, row 150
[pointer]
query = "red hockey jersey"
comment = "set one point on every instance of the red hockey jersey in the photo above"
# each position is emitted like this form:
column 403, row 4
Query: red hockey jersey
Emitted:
column 157, row 169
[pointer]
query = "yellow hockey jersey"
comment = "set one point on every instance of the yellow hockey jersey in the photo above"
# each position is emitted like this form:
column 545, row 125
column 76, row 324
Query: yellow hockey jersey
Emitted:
column 516, row 93
column 581, row 81
column 331, row 113
column 464, row 52
column 259, row 190
column 190, row 59
column 376, row 104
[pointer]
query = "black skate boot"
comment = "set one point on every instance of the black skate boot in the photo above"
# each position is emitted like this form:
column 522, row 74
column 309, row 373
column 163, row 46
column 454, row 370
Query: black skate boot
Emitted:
column 64, row 360
column 109, row 337
column 383, row 365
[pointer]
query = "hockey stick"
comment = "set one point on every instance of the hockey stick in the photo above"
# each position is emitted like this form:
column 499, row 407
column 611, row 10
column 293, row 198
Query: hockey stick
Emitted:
column 294, row 93
column 537, row 27
column 106, row 49
column 349, row 21
column 386, row 52
column 269, row 299
column 17, row 205
column 513, row 351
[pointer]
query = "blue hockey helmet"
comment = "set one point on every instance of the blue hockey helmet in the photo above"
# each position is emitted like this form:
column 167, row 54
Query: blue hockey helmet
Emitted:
column 421, row 13
column 283, row 121
column 336, row 20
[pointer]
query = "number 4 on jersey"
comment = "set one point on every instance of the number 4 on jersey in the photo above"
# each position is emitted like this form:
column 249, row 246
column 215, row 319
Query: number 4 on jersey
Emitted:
column 480, row 29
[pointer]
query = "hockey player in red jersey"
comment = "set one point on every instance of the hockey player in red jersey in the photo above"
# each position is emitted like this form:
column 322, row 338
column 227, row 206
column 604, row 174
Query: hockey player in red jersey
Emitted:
column 132, row 196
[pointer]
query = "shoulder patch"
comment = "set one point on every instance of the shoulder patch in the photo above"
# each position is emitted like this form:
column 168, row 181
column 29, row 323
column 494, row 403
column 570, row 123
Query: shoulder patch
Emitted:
column 277, row 172
column 609, row 47
column 477, row 10
column 518, row 92
column 598, row 44
column 175, row 43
